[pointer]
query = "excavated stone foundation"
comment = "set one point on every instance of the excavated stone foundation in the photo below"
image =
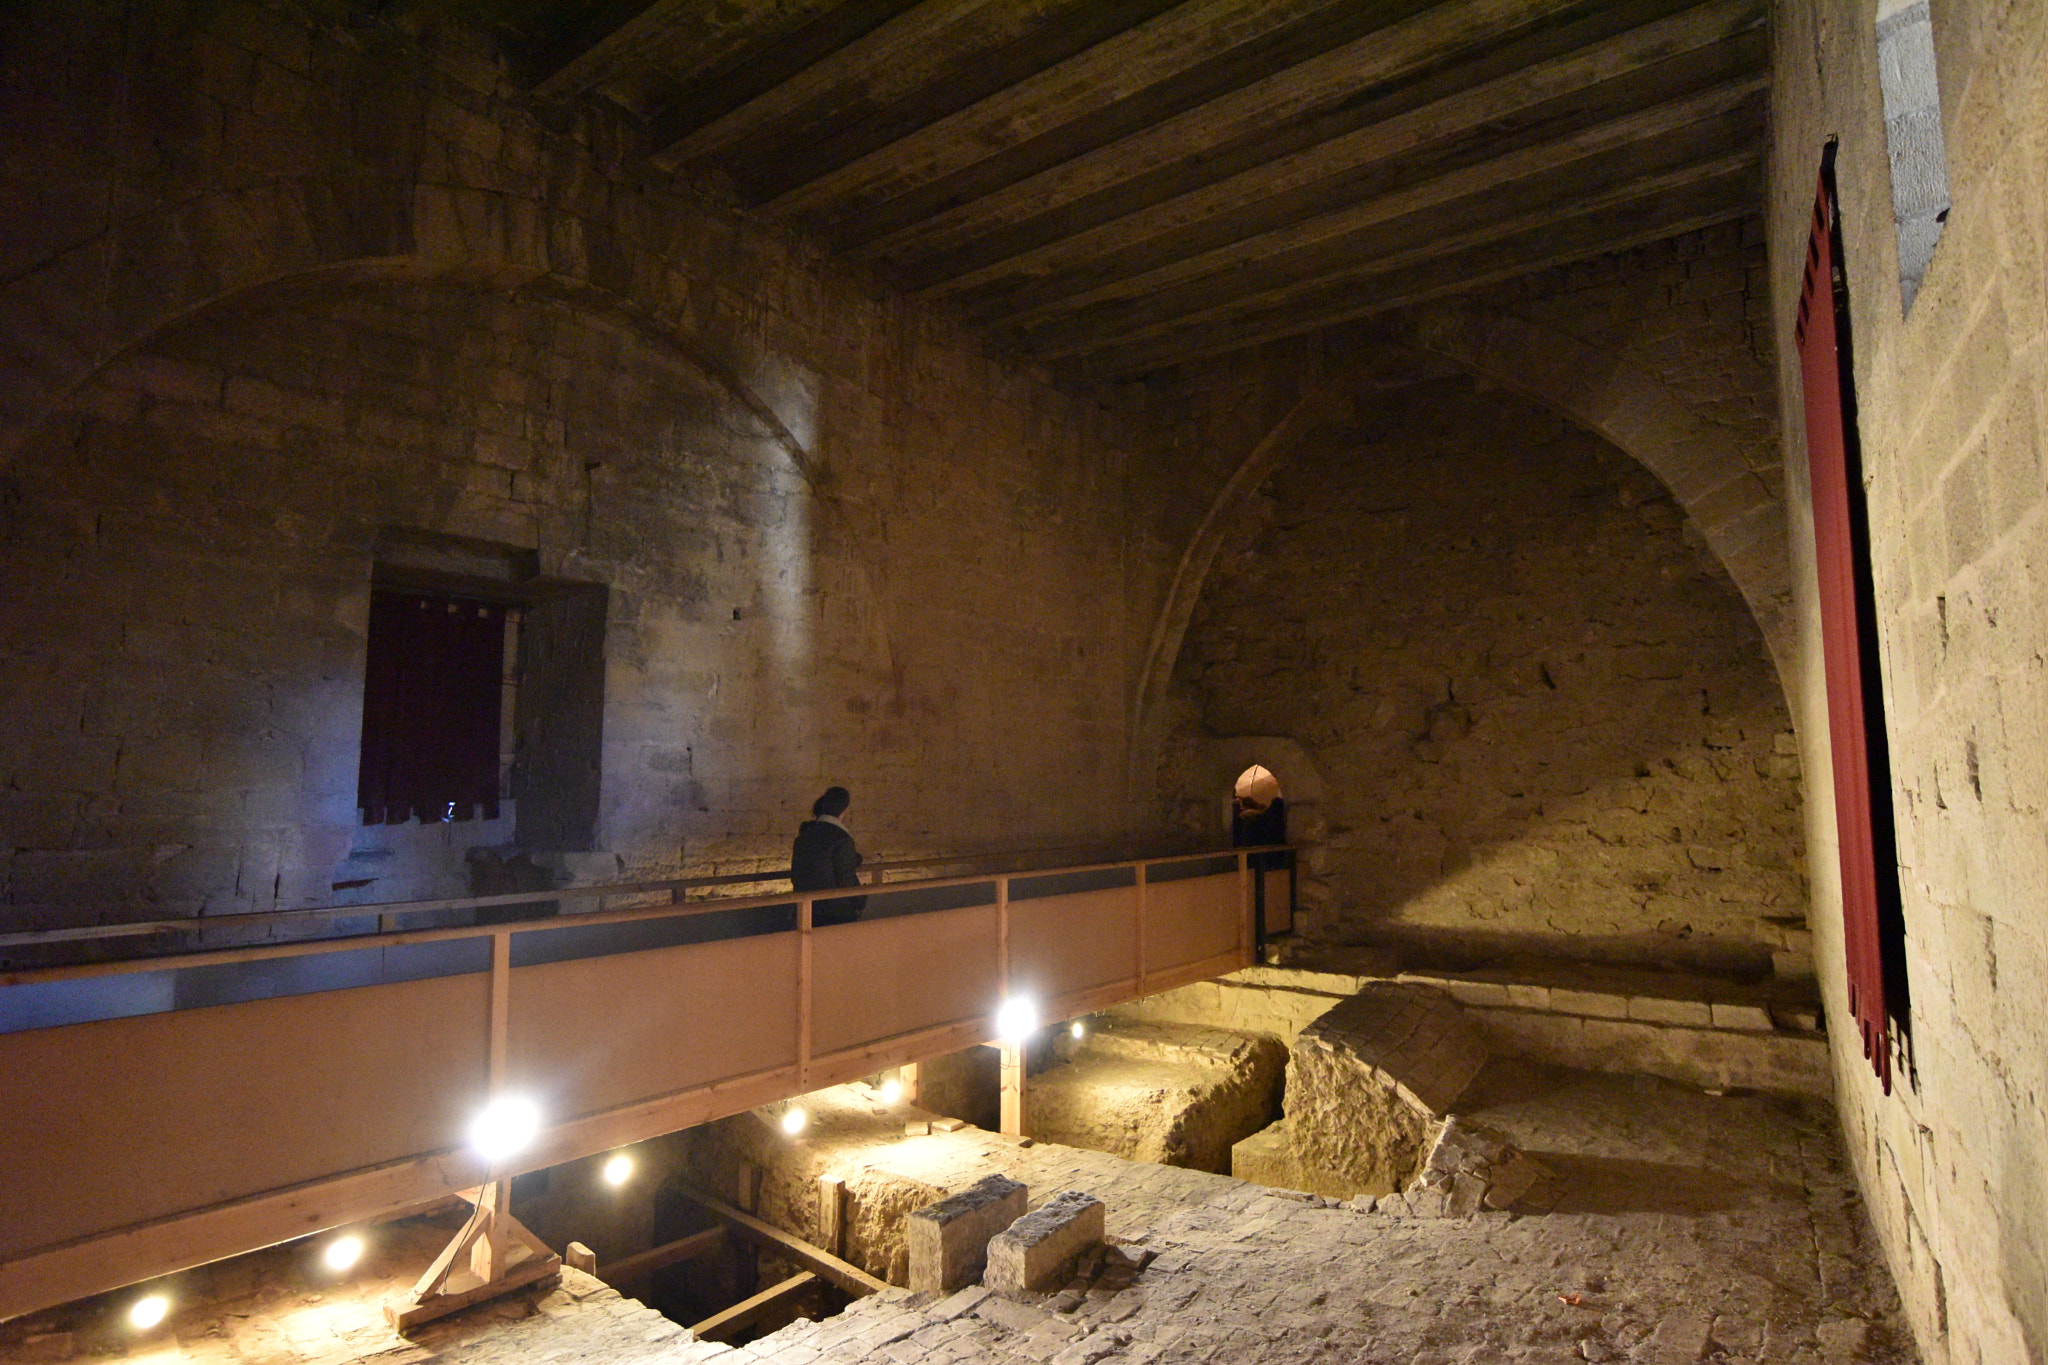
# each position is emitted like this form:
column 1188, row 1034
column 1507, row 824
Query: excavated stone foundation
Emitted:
column 1170, row 1094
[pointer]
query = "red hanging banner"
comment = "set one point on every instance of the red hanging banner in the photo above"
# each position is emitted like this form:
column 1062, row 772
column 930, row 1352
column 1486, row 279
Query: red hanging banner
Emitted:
column 1873, row 918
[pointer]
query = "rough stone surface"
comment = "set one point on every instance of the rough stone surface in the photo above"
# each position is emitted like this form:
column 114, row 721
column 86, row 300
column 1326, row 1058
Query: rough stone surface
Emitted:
column 1040, row 1249
column 1396, row 605
column 349, row 311
column 1173, row 1094
column 1678, row 1205
column 1367, row 1081
column 948, row 1240
column 1953, row 424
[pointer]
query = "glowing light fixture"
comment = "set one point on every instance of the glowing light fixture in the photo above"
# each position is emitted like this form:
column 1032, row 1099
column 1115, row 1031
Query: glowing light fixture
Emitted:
column 504, row 1128
column 618, row 1170
column 1017, row 1019
column 892, row 1090
column 148, row 1311
column 793, row 1119
column 1078, row 1029
column 342, row 1253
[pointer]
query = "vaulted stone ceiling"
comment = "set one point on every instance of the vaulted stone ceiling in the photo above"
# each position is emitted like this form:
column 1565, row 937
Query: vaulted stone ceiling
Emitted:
column 1118, row 187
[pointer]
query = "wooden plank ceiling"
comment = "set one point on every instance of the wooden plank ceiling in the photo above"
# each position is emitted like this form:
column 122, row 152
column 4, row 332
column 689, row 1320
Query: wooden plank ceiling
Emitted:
column 1120, row 187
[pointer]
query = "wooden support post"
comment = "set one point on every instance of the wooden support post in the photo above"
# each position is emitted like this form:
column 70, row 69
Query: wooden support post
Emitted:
column 1139, row 873
column 1247, row 906
column 804, row 909
column 1003, row 935
column 503, row 1256
column 832, row 1214
column 1013, row 1089
column 911, row 1079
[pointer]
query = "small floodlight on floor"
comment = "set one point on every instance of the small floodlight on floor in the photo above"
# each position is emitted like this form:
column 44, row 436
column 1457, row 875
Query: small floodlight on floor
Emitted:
column 892, row 1090
column 794, row 1119
column 1017, row 1019
column 618, row 1170
column 504, row 1128
column 503, row 1254
column 1078, row 1029
column 147, row 1311
column 342, row 1253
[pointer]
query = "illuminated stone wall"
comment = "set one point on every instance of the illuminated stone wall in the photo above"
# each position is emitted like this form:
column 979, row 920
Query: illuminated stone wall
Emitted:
column 351, row 284
column 1954, row 428
column 1537, row 707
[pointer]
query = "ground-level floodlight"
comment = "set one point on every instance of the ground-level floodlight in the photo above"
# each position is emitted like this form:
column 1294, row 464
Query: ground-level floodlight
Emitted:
column 618, row 1170
column 342, row 1253
column 794, row 1119
column 147, row 1311
column 892, row 1090
column 504, row 1128
column 503, row 1254
column 1017, row 1019
column 1078, row 1029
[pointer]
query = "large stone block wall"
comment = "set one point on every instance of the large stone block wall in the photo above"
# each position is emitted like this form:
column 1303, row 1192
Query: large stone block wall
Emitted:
column 359, row 286
column 1537, row 707
column 1951, row 413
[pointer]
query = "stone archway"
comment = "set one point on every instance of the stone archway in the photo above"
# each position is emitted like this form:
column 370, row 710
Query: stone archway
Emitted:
column 1741, row 515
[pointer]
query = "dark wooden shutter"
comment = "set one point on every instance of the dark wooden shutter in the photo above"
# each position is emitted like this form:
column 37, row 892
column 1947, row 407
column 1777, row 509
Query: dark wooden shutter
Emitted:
column 1873, row 918
column 431, row 701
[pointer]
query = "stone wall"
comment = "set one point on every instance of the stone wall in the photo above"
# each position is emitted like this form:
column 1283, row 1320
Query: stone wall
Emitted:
column 1537, row 706
column 360, row 288
column 1951, row 416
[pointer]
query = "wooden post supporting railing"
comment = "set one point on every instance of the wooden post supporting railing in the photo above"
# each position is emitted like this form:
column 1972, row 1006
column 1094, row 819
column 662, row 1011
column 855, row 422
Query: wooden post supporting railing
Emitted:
column 359, row 1088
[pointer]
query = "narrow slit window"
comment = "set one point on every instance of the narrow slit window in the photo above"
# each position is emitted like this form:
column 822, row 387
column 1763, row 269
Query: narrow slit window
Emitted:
column 1913, row 137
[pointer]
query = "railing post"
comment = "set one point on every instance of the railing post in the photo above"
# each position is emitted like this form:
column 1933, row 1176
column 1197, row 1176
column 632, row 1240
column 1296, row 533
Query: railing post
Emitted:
column 1003, row 936
column 501, row 1007
column 1142, row 973
column 1247, row 907
column 803, row 992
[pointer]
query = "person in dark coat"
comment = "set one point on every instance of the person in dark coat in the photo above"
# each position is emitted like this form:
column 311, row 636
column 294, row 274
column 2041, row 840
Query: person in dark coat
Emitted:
column 824, row 856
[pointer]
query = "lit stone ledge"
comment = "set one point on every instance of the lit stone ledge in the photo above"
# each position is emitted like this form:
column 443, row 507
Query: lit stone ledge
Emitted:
column 948, row 1241
column 1039, row 1251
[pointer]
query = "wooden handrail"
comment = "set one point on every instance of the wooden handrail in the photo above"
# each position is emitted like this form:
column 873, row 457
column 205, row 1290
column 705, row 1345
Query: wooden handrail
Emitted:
column 671, row 886
column 258, row 952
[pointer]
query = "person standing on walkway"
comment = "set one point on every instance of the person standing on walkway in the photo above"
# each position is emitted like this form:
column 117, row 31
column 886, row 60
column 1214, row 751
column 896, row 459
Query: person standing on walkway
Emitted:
column 824, row 856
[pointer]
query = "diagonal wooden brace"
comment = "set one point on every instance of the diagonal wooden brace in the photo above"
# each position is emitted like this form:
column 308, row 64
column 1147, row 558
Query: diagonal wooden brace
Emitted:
column 503, row 1256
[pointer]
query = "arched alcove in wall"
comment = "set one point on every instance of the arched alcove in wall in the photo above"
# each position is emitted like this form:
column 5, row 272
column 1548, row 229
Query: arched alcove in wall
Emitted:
column 1542, row 714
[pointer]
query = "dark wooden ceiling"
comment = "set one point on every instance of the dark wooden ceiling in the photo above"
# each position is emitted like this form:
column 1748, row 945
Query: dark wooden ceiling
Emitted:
column 1122, row 185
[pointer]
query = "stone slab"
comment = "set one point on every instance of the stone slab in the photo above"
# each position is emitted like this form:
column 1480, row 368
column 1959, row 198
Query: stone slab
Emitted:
column 1039, row 1251
column 948, row 1240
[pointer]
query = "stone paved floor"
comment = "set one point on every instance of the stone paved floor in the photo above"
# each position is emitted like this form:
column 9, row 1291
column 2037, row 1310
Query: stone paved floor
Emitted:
column 1693, row 1227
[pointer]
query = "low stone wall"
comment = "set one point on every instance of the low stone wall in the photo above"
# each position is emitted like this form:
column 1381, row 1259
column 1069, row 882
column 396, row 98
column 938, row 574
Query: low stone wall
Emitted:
column 1709, row 1034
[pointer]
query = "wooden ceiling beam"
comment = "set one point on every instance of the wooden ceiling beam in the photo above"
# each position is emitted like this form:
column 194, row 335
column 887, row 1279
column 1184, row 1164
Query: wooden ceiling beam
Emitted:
column 1145, row 55
column 1048, row 300
column 1504, row 97
column 889, row 61
column 1374, row 291
column 1377, row 59
column 587, row 54
column 1488, row 224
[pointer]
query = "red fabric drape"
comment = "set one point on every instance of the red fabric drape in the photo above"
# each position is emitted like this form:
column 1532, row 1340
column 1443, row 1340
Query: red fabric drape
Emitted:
column 431, row 701
column 1871, row 913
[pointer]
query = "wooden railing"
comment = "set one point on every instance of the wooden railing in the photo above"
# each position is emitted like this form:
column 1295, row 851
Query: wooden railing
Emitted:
column 160, row 1112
